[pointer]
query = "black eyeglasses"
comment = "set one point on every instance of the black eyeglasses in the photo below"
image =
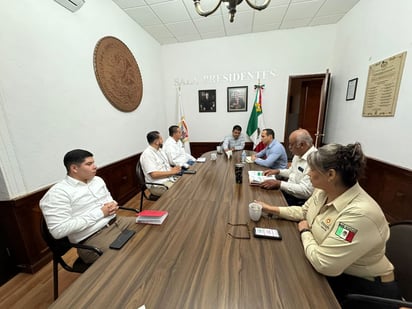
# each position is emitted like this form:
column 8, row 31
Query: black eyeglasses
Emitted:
column 240, row 224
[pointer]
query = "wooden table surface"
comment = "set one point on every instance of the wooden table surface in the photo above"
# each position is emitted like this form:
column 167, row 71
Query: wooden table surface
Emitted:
column 190, row 261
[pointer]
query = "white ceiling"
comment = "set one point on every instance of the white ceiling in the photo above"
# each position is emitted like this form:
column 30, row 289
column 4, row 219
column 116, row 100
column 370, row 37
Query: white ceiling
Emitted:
column 174, row 21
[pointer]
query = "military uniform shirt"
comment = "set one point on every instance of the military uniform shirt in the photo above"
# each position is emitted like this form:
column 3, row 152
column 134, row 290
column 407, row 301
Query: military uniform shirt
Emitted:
column 348, row 235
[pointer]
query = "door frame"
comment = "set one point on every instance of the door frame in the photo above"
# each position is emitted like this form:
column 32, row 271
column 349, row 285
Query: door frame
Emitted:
column 295, row 82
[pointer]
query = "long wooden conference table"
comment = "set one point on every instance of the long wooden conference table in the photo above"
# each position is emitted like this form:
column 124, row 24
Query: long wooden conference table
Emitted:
column 190, row 261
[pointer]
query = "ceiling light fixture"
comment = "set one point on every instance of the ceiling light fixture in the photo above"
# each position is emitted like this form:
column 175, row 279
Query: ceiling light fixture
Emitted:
column 231, row 6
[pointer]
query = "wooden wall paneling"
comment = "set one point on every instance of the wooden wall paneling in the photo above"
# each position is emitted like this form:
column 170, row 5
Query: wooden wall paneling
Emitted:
column 391, row 187
column 21, row 222
column 121, row 179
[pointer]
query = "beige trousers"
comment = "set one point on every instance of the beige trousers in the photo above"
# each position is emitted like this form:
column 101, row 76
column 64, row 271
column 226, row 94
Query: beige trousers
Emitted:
column 104, row 238
column 159, row 190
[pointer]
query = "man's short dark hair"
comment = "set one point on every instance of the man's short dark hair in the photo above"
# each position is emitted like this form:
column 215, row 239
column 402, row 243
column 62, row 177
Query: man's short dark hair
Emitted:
column 152, row 136
column 237, row 128
column 76, row 156
column 270, row 132
column 173, row 130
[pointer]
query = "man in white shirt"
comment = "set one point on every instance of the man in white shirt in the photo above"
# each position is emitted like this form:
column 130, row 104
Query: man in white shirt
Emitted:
column 235, row 141
column 155, row 165
column 175, row 150
column 298, row 187
column 81, row 208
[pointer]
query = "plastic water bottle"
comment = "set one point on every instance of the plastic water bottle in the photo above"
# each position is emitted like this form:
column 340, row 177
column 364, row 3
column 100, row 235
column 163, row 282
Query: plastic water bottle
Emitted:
column 243, row 156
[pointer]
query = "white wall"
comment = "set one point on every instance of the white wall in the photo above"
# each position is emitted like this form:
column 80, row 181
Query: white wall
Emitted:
column 372, row 31
column 50, row 101
column 287, row 52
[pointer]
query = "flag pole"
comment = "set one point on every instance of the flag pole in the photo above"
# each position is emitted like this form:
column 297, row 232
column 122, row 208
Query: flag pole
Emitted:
column 256, row 122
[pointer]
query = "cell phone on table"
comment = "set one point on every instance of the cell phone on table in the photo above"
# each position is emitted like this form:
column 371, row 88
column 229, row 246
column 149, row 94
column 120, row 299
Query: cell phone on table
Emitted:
column 263, row 232
column 189, row 172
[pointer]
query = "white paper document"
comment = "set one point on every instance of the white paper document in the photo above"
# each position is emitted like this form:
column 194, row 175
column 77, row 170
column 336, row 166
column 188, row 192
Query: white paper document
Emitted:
column 257, row 177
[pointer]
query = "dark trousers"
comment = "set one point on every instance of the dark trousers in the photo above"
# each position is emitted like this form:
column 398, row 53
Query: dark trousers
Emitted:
column 293, row 201
column 346, row 284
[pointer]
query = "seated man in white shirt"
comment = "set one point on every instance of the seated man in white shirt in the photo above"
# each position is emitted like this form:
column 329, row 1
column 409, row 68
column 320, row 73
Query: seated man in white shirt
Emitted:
column 235, row 141
column 175, row 150
column 81, row 208
column 298, row 187
column 155, row 165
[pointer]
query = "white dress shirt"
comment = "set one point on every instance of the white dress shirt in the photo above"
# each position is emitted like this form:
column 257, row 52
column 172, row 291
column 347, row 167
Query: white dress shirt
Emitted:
column 298, row 184
column 73, row 208
column 175, row 152
column 153, row 160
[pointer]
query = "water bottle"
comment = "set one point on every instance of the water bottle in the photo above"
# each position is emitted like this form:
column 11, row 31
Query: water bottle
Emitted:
column 243, row 156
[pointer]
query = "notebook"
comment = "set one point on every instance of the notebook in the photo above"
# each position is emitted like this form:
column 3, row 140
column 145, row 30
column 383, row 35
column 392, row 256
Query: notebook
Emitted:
column 152, row 217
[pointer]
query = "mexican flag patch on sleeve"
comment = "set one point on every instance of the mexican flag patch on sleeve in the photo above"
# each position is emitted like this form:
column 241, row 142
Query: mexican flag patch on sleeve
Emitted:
column 345, row 232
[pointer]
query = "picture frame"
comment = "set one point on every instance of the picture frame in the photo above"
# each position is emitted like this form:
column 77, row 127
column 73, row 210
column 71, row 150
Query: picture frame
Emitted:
column 237, row 99
column 207, row 101
column 351, row 90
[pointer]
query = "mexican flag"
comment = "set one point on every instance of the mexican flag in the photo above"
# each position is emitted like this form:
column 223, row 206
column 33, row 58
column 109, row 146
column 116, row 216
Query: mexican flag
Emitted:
column 256, row 123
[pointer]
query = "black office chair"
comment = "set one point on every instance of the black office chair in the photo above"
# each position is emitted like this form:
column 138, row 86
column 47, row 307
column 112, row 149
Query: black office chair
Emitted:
column 59, row 247
column 143, row 186
column 399, row 252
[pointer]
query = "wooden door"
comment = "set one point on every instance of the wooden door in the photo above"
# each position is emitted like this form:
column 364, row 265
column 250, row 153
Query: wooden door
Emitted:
column 310, row 106
column 306, row 106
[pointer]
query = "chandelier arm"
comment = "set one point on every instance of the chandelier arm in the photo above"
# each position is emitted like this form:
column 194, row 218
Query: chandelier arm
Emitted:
column 204, row 13
column 258, row 7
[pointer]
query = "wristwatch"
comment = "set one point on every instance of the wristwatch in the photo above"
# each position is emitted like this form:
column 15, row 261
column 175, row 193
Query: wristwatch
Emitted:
column 303, row 231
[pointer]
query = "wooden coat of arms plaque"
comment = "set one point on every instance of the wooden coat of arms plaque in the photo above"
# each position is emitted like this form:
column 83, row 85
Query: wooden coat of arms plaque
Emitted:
column 118, row 74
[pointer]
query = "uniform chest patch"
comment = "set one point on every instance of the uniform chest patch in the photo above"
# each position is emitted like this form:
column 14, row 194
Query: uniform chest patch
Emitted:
column 345, row 232
column 326, row 224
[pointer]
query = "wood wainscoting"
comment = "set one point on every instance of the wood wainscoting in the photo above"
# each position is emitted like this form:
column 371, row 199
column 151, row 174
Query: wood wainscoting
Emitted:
column 20, row 219
column 391, row 187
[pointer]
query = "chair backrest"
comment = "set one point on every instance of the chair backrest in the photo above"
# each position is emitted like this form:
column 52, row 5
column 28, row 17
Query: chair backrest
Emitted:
column 58, row 246
column 399, row 252
column 140, row 175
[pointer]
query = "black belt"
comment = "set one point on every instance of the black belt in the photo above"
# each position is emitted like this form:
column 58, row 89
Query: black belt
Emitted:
column 111, row 222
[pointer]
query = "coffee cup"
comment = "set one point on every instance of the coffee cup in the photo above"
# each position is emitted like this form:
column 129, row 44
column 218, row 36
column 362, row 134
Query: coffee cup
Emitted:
column 229, row 154
column 213, row 156
column 255, row 211
column 219, row 149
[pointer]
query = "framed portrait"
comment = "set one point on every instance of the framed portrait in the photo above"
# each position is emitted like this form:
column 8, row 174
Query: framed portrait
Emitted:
column 351, row 90
column 237, row 99
column 207, row 101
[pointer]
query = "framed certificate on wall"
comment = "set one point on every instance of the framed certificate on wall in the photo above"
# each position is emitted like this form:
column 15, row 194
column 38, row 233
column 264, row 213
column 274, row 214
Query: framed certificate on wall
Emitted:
column 351, row 90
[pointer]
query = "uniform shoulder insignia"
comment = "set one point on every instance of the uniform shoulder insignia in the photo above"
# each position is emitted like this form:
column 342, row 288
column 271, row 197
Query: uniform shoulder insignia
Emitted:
column 345, row 232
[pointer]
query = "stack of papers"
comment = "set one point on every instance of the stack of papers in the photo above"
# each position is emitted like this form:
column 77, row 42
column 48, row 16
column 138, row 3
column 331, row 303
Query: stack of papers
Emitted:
column 256, row 177
column 152, row 217
column 201, row 160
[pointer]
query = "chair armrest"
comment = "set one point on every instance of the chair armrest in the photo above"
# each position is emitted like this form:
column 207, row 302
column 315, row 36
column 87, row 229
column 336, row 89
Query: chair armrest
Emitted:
column 378, row 300
column 156, row 184
column 130, row 209
column 87, row 247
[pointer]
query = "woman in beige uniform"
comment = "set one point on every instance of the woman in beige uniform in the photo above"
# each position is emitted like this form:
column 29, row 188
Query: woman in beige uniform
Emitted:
column 343, row 230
